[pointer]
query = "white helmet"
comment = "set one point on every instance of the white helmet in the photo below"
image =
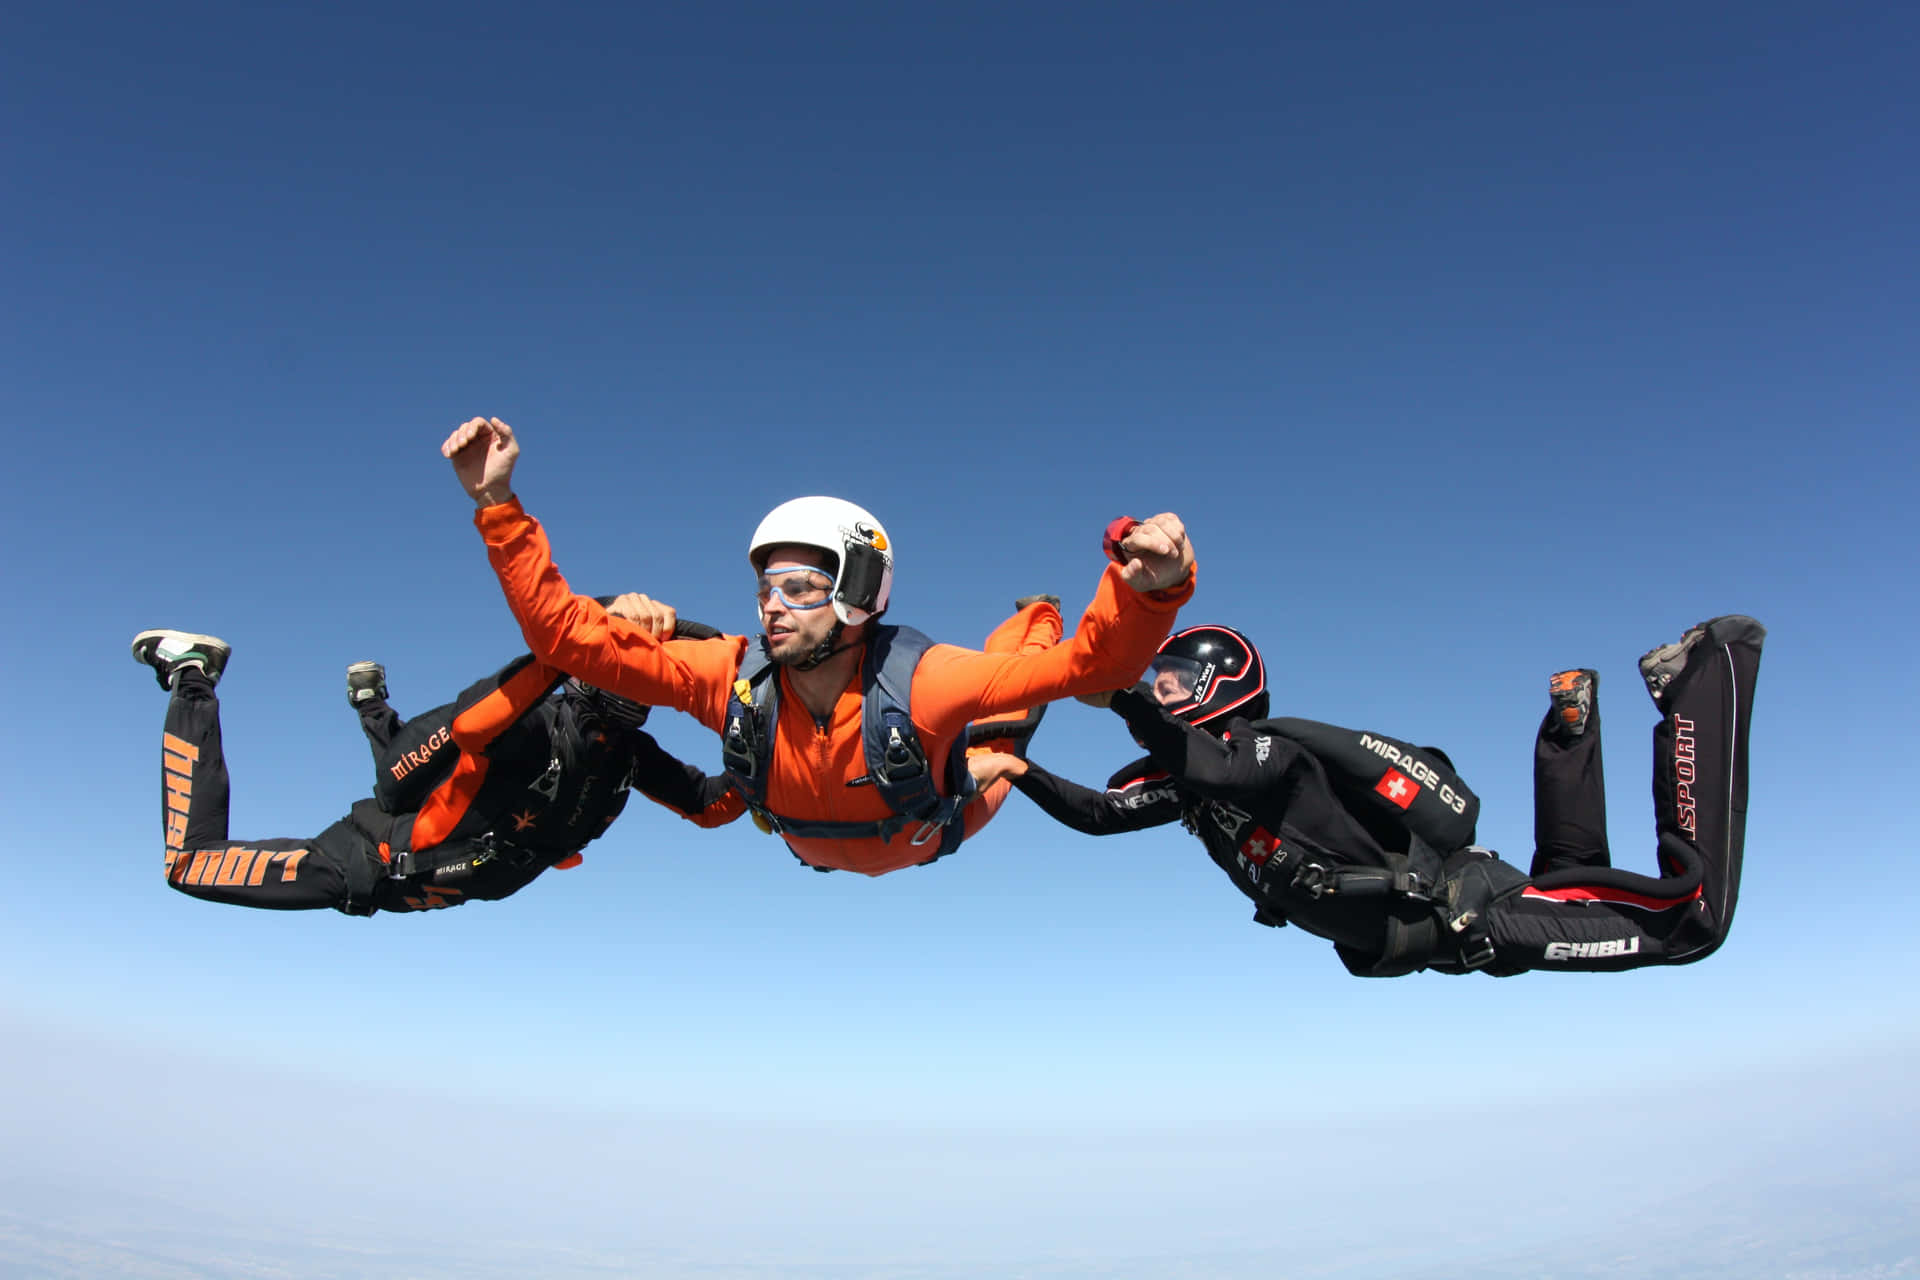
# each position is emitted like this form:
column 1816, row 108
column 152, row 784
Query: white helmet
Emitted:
column 862, row 552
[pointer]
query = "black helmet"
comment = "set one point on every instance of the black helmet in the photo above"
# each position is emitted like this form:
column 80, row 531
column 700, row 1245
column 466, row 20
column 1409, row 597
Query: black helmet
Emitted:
column 612, row 709
column 1203, row 674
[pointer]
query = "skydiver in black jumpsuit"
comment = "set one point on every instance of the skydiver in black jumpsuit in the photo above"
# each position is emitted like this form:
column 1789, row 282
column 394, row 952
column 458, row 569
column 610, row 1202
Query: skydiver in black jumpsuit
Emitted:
column 1368, row 841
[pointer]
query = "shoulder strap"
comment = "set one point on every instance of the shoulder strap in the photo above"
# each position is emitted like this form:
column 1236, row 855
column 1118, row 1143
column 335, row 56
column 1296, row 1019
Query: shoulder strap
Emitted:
column 746, row 739
column 896, row 762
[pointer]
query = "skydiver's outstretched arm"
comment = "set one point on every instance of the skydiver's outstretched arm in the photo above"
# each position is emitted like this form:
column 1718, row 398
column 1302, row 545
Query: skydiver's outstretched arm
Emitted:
column 707, row 800
column 1137, row 797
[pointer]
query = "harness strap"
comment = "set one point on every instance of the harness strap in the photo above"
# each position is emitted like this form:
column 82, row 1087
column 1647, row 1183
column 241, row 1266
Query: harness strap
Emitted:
column 1456, row 890
column 1416, row 875
column 406, row 864
column 745, row 740
column 1476, row 878
column 897, row 764
column 930, row 824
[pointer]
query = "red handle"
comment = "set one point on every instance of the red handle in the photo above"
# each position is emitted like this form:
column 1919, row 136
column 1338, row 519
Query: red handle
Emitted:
column 1120, row 528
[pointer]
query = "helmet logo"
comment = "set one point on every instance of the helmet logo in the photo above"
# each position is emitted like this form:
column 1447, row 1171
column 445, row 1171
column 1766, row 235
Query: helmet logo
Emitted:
column 1204, row 683
column 870, row 535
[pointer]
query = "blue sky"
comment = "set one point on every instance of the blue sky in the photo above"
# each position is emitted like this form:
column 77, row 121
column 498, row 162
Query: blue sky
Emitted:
column 1470, row 346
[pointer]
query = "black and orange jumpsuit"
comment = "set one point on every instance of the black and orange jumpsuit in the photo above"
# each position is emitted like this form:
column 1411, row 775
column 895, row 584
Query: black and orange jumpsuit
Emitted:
column 473, row 799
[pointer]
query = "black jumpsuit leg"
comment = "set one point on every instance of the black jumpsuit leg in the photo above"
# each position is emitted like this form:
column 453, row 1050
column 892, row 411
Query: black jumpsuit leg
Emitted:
column 1569, row 797
column 1700, row 768
column 380, row 722
column 1602, row 919
column 333, row 869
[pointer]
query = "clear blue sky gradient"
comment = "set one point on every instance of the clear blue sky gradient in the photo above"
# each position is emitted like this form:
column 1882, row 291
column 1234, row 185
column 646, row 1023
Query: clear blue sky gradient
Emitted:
column 1470, row 345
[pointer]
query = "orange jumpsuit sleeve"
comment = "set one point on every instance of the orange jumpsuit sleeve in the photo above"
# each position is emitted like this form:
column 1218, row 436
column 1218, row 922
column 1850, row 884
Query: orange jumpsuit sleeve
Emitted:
column 718, row 814
column 1117, row 637
column 577, row 635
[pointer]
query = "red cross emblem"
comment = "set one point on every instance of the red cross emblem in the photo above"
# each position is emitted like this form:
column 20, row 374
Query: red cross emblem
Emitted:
column 1260, row 846
column 1398, row 787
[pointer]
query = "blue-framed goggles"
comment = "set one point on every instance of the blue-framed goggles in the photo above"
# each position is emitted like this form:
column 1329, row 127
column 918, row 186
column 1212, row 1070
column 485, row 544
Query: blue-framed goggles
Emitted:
column 800, row 586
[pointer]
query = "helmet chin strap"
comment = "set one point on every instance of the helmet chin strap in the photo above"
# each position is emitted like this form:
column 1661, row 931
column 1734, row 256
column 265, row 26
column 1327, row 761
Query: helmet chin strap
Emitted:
column 824, row 650
column 828, row 648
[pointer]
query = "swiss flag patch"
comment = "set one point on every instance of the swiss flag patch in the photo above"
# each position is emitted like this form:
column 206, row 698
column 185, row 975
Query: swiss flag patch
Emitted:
column 1398, row 787
column 1260, row 846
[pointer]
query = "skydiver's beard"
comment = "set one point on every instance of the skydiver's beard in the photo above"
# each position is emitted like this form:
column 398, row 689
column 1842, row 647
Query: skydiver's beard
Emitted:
column 808, row 659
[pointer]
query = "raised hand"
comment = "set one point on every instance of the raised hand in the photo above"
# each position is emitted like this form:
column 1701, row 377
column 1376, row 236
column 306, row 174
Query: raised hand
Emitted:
column 483, row 452
column 1158, row 554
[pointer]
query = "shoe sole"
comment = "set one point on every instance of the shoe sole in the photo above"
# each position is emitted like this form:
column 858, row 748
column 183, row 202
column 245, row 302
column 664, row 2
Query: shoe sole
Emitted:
column 357, row 694
column 1661, row 666
column 1571, row 713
